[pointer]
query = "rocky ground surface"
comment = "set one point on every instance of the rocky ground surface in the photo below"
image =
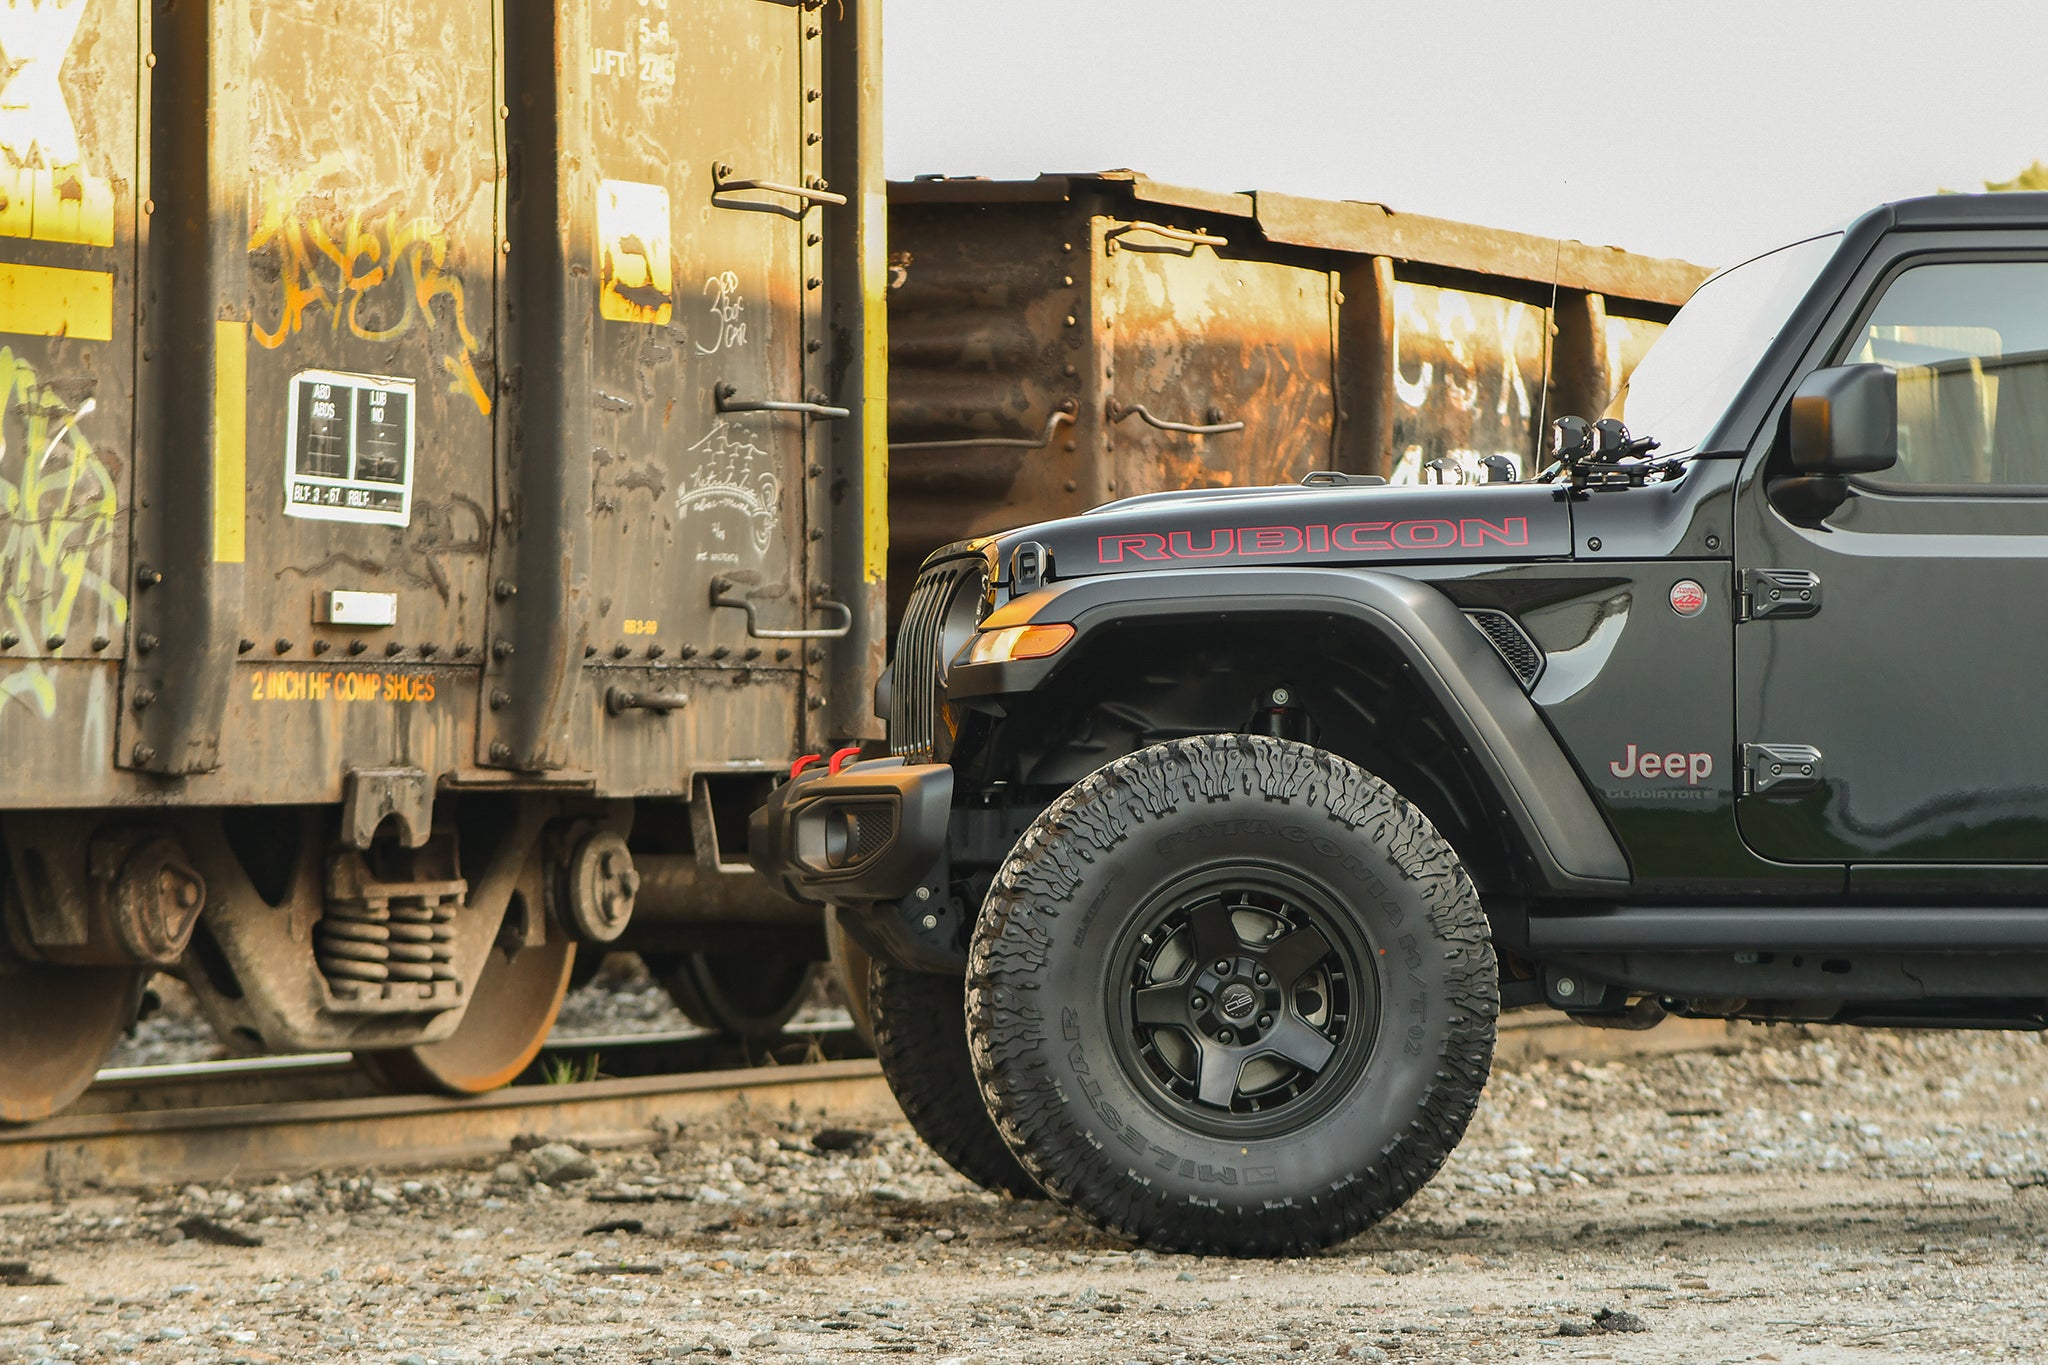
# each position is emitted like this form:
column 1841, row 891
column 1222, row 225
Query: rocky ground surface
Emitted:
column 1805, row 1196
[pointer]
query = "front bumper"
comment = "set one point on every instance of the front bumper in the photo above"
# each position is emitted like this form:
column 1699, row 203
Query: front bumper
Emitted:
column 873, row 832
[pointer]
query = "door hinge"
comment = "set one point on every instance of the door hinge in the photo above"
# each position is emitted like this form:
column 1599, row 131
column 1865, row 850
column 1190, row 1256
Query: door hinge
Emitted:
column 1777, row 592
column 1779, row 768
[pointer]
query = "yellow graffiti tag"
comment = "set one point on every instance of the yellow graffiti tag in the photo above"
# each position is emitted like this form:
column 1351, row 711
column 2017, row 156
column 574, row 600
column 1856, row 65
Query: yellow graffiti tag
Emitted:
column 60, row 545
column 45, row 190
column 377, row 278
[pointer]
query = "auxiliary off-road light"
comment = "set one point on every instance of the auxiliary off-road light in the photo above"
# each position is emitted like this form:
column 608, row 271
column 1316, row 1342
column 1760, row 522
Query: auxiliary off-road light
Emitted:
column 1015, row 642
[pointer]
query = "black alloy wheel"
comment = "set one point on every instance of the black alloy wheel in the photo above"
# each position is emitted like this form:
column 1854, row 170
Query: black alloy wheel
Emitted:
column 1250, row 1004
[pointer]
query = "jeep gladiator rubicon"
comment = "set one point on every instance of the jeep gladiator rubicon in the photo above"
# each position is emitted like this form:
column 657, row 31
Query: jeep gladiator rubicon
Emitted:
column 1241, row 813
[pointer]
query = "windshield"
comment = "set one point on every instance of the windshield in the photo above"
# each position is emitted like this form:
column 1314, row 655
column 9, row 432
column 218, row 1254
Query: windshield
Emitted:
column 1691, row 374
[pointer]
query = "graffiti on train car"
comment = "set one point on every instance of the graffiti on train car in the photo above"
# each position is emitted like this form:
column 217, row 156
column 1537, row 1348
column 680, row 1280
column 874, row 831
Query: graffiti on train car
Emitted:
column 60, row 539
column 732, row 476
column 377, row 275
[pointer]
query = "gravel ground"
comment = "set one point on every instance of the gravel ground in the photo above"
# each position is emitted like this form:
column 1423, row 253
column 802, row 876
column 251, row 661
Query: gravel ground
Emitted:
column 1805, row 1196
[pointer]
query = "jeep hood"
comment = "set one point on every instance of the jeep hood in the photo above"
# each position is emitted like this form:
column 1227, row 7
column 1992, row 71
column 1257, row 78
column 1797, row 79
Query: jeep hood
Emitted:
column 1357, row 524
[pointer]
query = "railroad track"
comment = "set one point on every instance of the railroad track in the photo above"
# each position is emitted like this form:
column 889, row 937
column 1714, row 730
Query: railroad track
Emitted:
column 163, row 1125
column 279, row 1116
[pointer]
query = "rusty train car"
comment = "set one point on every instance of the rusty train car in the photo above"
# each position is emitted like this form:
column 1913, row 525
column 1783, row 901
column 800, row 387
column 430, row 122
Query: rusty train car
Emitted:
column 453, row 456
column 1059, row 342
column 437, row 490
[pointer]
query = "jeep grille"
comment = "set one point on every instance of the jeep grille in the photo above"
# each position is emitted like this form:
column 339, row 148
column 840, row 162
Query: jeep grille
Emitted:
column 945, row 606
column 1516, row 649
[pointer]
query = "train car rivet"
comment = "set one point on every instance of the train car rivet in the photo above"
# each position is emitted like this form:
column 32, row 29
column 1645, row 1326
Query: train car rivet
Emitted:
column 501, row 752
column 100, row 642
column 145, row 642
column 283, row 645
column 8, row 639
column 590, row 651
column 621, row 650
column 503, row 589
column 392, row 649
column 144, row 755
column 501, row 649
column 500, row 700
column 146, row 577
column 461, row 650
column 143, row 697
column 688, row 651
column 55, row 642
column 322, row 646
column 243, row 646
column 356, row 646
column 655, row 651
column 429, row 650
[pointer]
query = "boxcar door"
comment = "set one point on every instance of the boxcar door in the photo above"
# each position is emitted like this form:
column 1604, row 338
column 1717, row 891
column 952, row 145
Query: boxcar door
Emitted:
column 709, row 220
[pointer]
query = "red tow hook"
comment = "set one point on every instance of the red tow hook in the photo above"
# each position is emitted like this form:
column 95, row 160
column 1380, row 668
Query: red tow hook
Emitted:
column 806, row 761
column 839, row 759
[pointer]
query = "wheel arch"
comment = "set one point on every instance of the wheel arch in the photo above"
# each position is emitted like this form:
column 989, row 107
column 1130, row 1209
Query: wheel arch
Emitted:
column 1395, row 673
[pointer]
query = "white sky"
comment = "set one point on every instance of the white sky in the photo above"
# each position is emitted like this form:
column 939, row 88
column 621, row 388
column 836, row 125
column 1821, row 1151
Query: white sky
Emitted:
column 1708, row 130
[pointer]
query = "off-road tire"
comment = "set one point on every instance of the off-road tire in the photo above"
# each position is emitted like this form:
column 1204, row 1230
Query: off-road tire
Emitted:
column 921, row 1038
column 1051, row 1046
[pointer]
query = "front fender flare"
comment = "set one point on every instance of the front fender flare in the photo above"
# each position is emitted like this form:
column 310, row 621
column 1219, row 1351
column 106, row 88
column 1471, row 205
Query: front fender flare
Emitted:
column 1561, row 826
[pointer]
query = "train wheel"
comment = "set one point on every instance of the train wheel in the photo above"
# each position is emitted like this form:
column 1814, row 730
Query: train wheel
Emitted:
column 742, row 995
column 516, row 1001
column 57, row 1025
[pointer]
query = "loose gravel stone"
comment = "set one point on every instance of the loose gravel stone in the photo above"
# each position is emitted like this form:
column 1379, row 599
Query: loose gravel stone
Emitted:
column 559, row 1164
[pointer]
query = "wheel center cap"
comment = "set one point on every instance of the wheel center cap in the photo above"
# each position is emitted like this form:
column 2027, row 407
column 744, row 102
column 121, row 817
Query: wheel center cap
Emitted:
column 1237, row 999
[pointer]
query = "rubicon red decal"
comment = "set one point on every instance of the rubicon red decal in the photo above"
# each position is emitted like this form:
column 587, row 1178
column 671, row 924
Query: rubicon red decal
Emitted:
column 1351, row 537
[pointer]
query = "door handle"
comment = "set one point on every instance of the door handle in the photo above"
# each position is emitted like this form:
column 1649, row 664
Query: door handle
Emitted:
column 1063, row 413
column 1215, row 426
column 724, row 399
column 724, row 182
column 721, row 589
column 619, row 700
column 1171, row 234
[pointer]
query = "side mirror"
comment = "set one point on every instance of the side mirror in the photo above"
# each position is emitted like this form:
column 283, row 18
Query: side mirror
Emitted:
column 1845, row 420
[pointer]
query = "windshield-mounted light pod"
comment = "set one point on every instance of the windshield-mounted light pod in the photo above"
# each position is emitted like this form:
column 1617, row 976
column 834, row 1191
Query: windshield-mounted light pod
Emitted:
column 1015, row 642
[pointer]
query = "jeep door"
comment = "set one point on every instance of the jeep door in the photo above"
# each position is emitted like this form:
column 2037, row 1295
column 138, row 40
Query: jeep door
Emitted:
column 1888, row 675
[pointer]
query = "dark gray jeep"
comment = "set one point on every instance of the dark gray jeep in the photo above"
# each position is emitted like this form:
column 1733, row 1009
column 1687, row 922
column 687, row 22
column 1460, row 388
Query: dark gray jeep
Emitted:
column 1220, row 825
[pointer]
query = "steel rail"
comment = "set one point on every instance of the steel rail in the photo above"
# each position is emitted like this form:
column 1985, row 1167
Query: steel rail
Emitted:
column 241, row 1138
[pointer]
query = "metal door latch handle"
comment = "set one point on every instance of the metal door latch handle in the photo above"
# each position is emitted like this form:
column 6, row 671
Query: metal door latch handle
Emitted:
column 620, row 700
column 1063, row 413
column 1171, row 234
column 1780, row 768
column 724, row 182
column 722, row 396
column 722, row 587
column 1215, row 426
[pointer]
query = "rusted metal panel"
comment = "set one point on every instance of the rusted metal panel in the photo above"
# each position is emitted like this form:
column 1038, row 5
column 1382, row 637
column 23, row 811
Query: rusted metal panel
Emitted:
column 1342, row 336
column 1192, row 335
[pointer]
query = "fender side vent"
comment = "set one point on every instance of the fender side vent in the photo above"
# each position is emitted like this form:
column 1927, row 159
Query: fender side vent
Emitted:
column 1515, row 647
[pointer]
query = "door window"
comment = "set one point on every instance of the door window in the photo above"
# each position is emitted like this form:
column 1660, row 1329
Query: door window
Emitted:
column 1970, row 343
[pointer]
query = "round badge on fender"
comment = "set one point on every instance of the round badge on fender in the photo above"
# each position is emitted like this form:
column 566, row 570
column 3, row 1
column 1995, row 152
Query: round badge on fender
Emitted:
column 1688, row 598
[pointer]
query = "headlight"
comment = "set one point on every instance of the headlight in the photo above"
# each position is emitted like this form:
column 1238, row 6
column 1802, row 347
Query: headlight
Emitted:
column 1013, row 643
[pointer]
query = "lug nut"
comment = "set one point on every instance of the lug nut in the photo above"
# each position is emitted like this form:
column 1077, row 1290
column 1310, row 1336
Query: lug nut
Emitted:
column 1225, row 1036
column 1567, row 987
column 1264, row 978
column 1198, row 1003
column 1265, row 1021
column 1223, row 967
